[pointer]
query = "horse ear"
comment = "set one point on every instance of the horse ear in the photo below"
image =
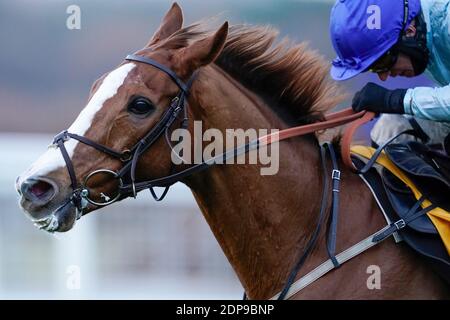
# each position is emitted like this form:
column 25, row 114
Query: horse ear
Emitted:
column 172, row 22
column 205, row 51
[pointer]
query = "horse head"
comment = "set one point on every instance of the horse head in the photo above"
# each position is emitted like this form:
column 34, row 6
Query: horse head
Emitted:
column 124, row 106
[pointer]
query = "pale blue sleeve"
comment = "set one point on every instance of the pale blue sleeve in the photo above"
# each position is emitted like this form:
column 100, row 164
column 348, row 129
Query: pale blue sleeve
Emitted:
column 428, row 103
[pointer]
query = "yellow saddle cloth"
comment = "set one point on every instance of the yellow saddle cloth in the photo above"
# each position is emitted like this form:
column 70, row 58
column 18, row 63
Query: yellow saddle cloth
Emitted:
column 439, row 217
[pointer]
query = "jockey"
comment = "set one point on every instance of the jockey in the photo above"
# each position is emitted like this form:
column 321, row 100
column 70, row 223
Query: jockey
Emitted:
column 396, row 38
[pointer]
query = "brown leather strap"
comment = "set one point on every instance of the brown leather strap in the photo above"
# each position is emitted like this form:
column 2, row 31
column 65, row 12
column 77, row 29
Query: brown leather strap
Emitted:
column 348, row 137
column 332, row 120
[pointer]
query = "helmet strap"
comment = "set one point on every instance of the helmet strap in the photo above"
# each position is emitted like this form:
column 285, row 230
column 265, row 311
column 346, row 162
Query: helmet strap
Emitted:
column 416, row 47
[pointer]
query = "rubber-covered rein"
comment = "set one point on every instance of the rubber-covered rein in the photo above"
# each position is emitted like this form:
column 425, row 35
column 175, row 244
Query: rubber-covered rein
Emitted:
column 331, row 120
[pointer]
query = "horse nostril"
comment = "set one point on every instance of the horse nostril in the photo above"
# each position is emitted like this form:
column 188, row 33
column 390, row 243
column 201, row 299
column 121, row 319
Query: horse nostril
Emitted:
column 37, row 190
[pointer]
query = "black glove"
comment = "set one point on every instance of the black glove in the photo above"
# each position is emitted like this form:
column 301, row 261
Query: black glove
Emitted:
column 379, row 100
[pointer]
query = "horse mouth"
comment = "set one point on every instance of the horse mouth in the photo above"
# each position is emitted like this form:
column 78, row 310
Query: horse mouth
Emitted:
column 62, row 219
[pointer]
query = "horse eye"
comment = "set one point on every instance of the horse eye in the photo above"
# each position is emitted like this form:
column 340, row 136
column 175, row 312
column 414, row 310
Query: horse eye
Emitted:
column 141, row 106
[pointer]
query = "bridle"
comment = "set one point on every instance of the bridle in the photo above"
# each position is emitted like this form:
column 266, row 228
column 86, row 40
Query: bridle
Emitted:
column 126, row 176
column 130, row 157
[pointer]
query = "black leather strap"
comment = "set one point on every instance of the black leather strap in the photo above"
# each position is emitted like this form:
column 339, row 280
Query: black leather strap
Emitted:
column 75, row 198
column 170, row 73
column 312, row 241
column 162, row 196
column 176, row 177
column 334, row 215
column 59, row 141
column 380, row 149
column 150, row 138
column 412, row 215
column 102, row 148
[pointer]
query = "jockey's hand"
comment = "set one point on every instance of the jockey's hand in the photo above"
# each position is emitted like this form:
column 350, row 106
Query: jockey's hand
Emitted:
column 378, row 99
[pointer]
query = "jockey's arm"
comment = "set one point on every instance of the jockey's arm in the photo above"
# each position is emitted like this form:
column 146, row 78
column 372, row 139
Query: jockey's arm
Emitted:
column 428, row 103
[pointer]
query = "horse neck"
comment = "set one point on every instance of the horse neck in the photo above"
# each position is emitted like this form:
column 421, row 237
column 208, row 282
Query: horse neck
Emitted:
column 261, row 222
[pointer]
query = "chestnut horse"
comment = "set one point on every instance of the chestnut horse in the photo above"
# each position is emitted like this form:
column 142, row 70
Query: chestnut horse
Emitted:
column 263, row 223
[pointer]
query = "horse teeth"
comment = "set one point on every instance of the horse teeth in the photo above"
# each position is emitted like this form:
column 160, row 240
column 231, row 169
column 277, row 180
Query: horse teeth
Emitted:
column 54, row 224
column 46, row 223
column 39, row 226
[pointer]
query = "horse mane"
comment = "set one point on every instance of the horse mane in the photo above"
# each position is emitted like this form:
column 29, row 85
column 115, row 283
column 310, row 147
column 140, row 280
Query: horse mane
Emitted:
column 292, row 79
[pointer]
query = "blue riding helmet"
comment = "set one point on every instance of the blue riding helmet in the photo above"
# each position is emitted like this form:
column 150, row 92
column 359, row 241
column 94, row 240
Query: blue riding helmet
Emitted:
column 363, row 30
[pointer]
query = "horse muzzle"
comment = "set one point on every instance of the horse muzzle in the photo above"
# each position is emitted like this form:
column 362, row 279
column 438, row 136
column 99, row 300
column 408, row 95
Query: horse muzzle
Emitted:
column 48, row 206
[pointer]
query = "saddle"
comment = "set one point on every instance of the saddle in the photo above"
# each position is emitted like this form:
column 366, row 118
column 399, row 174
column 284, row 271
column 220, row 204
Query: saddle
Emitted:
column 405, row 179
column 428, row 169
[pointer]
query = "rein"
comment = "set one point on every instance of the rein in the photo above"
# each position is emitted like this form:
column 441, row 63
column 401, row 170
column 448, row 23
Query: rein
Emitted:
column 331, row 121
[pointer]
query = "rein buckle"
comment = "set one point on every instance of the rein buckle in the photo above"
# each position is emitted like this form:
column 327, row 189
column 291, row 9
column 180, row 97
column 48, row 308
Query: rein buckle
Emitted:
column 62, row 136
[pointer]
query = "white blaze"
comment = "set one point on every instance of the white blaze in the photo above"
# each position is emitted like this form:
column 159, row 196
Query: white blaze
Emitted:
column 52, row 158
